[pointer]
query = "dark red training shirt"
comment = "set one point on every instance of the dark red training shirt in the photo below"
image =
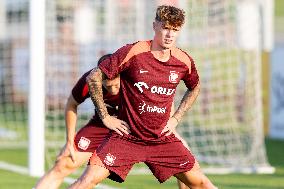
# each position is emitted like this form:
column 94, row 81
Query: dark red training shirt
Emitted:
column 148, row 86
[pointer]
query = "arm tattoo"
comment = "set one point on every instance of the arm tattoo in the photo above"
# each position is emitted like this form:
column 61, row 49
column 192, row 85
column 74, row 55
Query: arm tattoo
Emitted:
column 186, row 102
column 94, row 81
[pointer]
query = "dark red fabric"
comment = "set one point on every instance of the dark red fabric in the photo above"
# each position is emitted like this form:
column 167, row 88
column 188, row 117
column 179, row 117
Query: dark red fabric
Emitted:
column 89, row 137
column 164, row 159
column 148, row 86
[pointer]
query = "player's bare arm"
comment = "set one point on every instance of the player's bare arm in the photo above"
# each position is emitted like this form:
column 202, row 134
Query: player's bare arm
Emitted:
column 186, row 102
column 70, row 122
column 71, row 118
column 94, row 81
column 171, row 124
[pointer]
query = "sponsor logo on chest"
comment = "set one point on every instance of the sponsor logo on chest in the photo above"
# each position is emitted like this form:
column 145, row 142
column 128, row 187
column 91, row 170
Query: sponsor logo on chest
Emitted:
column 143, row 107
column 154, row 89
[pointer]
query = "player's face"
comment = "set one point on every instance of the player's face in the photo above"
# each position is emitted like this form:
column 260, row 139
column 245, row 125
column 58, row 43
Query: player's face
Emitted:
column 165, row 35
column 112, row 85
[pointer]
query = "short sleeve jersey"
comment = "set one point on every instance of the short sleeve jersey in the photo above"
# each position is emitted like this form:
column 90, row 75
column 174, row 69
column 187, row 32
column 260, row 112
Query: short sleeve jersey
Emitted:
column 148, row 86
column 80, row 93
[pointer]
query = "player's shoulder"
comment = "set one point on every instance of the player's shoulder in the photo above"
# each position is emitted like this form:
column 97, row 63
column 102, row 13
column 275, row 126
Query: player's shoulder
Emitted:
column 182, row 56
column 140, row 47
column 135, row 49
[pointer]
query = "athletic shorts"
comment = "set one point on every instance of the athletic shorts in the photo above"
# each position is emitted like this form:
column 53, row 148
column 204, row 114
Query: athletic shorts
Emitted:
column 89, row 137
column 118, row 155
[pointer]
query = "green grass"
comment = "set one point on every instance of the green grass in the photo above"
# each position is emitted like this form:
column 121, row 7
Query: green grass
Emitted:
column 231, row 181
column 14, row 156
column 279, row 8
column 15, row 181
column 279, row 17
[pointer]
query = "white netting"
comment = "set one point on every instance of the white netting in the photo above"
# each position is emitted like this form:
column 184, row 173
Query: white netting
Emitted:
column 14, row 55
column 224, row 127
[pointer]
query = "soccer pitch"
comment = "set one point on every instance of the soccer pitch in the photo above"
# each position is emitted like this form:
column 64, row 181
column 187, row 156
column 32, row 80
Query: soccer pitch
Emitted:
column 275, row 153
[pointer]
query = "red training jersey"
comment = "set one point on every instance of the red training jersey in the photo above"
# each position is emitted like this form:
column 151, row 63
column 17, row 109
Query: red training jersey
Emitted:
column 80, row 93
column 148, row 86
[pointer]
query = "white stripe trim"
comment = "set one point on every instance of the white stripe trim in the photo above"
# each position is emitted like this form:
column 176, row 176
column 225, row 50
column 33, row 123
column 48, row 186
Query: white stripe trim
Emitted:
column 14, row 168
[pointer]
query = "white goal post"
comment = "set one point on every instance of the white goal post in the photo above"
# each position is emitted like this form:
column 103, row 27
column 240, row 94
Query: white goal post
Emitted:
column 37, row 88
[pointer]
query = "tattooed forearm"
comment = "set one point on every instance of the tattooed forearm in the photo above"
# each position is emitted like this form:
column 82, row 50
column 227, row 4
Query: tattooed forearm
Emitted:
column 186, row 102
column 94, row 81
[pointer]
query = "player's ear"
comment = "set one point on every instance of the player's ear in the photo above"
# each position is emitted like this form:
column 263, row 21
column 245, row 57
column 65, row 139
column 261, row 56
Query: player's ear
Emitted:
column 154, row 25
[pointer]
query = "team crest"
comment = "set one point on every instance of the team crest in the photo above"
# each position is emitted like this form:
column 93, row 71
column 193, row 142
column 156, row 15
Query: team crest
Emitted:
column 173, row 77
column 84, row 143
column 109, row 159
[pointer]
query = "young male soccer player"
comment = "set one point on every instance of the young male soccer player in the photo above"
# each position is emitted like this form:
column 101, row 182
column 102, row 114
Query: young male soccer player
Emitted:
column 79, row 148
column 87, row 138
column 150, row 72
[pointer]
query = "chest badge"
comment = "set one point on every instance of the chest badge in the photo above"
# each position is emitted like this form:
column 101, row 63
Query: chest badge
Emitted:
column 173, row 77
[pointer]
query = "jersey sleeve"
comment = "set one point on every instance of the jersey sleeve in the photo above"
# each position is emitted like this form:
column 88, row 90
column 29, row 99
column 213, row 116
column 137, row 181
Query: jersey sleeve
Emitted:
column 80, row 91
column 116, row 63
column 191, row 78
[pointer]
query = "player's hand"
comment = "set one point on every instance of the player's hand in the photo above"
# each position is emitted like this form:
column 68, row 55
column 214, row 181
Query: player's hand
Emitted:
column 117, row 125
column 67, row 151
column 170, row 128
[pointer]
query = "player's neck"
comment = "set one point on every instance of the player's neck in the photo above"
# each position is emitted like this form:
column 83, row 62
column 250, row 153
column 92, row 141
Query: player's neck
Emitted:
column 160, row 53
column 162, row 56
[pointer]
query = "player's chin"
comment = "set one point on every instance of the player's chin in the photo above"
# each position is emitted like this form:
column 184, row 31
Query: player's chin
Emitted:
column 167, row 45
column 114, row 93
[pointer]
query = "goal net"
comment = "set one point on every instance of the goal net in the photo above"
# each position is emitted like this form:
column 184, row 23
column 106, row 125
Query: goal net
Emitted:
column 224, row 126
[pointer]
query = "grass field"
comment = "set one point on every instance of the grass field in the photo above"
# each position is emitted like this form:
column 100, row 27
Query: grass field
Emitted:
column 275, row 153
column 279, row 8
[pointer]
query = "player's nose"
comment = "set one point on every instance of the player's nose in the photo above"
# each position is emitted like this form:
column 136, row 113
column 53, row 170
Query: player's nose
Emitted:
column 170, row 33
column 114, row 90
